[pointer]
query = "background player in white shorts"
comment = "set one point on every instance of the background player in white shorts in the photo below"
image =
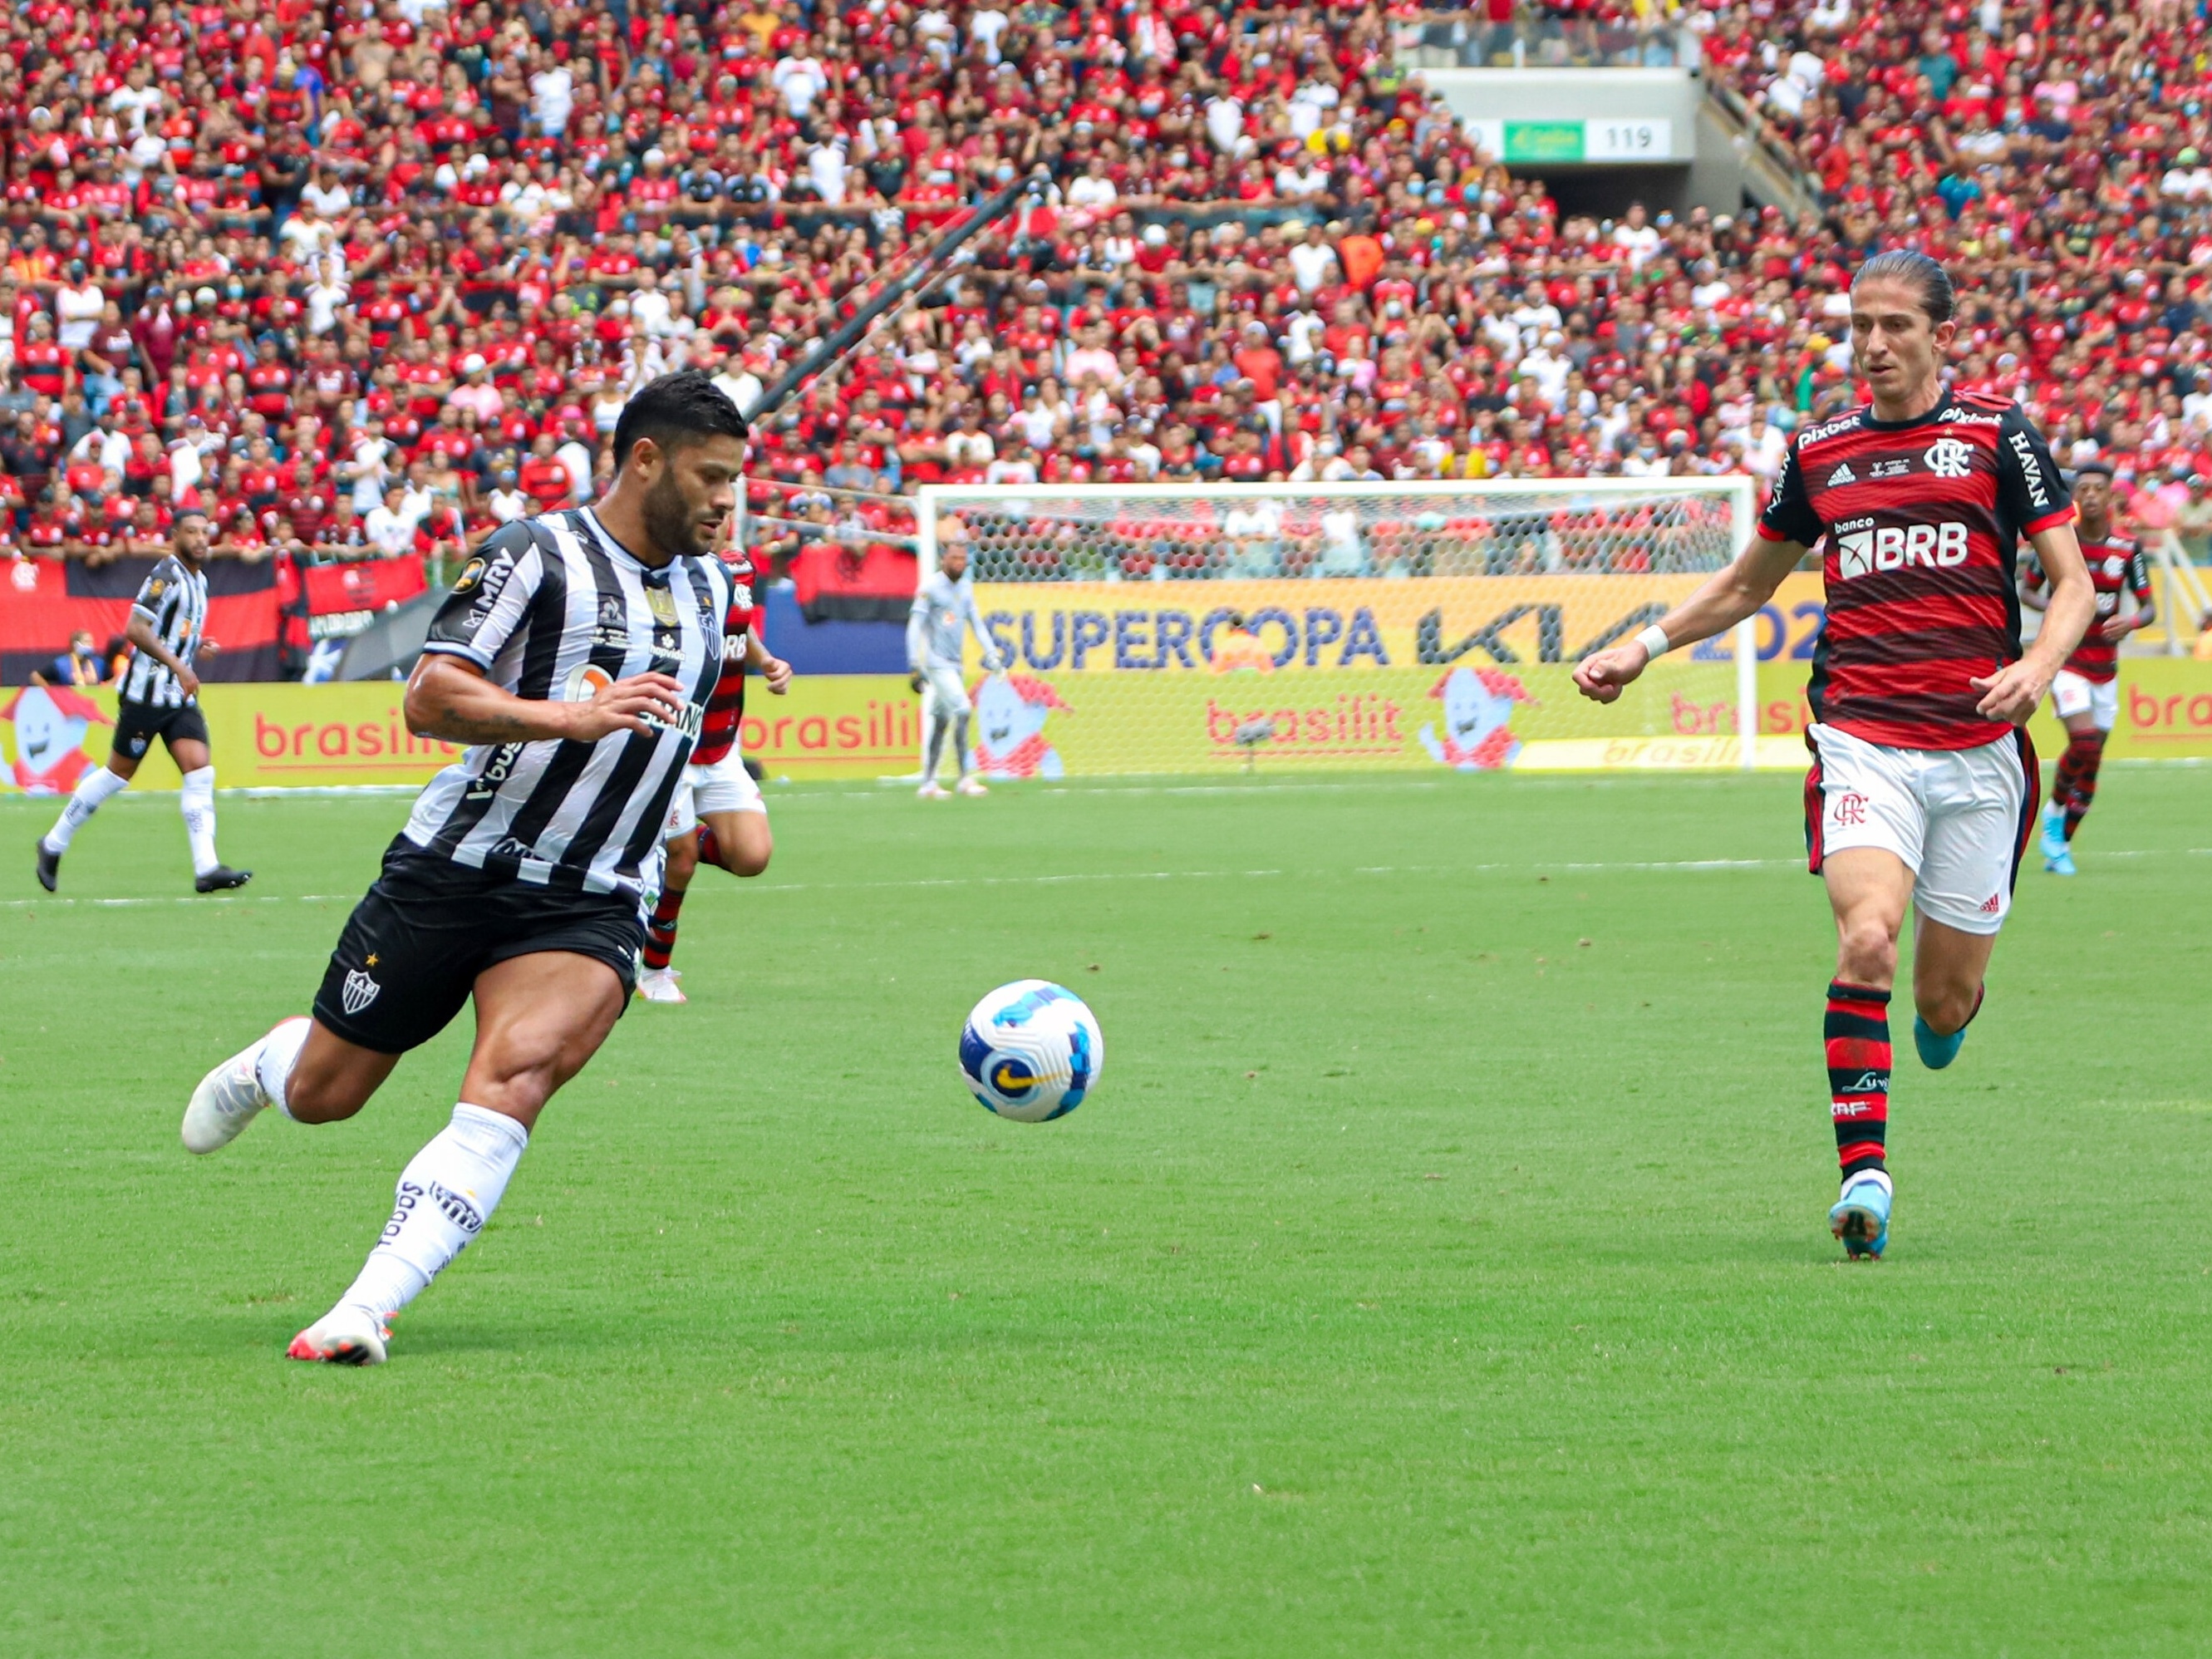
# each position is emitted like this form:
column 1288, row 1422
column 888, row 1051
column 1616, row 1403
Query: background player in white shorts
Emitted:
column 2085, row 694
column 717, row 814
column 936, row 633
column 1923, row 780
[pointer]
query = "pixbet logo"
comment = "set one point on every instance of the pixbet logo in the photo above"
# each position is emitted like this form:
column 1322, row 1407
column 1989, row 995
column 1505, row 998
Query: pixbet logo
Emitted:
column 1893, row 546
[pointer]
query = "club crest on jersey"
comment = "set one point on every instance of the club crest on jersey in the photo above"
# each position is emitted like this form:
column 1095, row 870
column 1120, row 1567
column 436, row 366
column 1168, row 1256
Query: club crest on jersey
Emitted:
column 1950, row 458
column 2114, row 566
column 1842, row 476
column 358, row 992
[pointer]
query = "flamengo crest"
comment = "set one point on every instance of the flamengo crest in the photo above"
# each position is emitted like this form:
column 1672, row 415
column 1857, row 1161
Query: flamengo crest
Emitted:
column 1950, row 458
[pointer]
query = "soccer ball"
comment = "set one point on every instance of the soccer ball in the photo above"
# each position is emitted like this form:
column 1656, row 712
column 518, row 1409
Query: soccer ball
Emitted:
column 1031, row 1051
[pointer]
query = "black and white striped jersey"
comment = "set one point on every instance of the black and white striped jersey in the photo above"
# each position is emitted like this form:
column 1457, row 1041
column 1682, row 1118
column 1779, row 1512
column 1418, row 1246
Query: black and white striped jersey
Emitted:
column 173, row 602
column 554, row 608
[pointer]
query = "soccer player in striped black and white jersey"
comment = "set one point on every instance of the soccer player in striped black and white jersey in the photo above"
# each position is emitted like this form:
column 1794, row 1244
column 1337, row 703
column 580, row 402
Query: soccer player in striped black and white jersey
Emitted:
column 1922, row 786
column 158, row 697
column 575, row 656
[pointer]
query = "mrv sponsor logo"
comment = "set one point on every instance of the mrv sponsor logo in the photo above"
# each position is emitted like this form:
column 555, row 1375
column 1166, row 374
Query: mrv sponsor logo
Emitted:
column 1869, row 548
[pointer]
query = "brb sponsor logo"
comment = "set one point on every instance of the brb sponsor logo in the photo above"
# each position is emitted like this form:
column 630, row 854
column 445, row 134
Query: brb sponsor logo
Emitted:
column 1863, row 547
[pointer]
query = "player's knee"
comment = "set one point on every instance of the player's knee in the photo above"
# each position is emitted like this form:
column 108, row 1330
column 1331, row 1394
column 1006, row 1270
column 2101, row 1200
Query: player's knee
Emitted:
column 682, row 861
column 1866, row 951
column 1945, row 1007
column 314, row 1095
column 747, row 853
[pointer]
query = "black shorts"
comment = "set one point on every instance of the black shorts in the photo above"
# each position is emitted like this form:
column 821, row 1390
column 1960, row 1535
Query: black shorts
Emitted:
column 137, row 724
column 414, row 946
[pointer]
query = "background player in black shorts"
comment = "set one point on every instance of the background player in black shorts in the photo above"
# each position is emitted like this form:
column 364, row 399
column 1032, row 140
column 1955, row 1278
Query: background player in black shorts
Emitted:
column 575, row 655
column 159, row 697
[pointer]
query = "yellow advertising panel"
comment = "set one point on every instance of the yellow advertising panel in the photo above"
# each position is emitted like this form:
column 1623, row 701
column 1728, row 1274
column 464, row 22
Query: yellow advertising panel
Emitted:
column 262, row 735
column 349, row 735
column 1472, row 714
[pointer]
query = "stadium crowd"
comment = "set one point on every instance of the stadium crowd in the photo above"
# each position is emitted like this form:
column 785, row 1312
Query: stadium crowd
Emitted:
column 372, row 278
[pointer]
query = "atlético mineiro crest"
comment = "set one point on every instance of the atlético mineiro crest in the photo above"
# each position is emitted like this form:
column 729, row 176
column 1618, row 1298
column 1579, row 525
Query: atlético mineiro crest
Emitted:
column 360, row 990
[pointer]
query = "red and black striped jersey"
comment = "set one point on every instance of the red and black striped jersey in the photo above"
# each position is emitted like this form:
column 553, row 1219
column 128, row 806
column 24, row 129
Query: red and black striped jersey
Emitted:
column 1922, row 519
column 726, row 706
column 2117, row 566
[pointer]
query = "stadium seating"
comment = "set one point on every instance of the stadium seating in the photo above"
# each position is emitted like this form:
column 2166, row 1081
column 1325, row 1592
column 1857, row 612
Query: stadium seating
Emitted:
column 369, row 280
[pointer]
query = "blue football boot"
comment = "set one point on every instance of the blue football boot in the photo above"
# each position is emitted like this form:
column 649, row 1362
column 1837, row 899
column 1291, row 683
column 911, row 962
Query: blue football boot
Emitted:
column 1860, row 1216
column 1936, row 1052
column 2060, row 863
column 2053, row 844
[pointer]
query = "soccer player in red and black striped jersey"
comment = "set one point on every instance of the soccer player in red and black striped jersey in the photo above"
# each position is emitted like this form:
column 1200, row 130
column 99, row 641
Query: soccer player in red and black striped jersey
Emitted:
column 2085, row 692
column 1922, row 785
column 717, row 814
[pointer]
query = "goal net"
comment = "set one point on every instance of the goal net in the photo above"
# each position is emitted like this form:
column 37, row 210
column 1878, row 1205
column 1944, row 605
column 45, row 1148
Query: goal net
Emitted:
column 1169, row 629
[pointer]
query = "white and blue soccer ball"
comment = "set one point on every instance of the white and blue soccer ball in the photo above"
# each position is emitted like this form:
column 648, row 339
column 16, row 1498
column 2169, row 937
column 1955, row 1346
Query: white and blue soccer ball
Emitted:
column 1031, row 1051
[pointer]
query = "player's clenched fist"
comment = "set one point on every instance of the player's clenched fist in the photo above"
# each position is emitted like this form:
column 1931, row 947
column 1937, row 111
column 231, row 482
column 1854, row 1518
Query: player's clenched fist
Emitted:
column 1600, row 676
column 630, row 705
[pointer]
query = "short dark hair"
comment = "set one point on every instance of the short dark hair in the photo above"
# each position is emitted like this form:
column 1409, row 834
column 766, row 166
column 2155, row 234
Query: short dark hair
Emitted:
column 184, row 512
column 2102, row 468
column 686, row 405
column 1917, row 270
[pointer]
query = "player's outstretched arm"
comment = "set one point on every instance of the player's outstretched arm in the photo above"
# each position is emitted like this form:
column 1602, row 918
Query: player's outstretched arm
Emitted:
column 1725, row 599
column 2012, row 693
column 449, row 697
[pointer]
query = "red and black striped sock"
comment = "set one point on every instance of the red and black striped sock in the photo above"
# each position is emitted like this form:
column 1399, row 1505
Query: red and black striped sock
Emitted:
column 710, row 850
column 2062, row 780
column 660, row 931
column 2088, row 755
column 1857, row 1033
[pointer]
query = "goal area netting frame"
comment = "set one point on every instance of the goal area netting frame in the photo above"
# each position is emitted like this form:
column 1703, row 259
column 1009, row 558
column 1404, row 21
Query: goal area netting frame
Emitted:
column 1323, row 622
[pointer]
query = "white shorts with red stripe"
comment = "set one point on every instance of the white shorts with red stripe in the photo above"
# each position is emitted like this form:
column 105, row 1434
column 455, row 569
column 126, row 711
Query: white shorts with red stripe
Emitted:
column 1960, row 818
column 724, row 786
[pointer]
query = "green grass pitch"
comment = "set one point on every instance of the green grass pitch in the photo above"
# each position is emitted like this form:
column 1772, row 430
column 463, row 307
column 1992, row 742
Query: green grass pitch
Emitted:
column 1441, row 1267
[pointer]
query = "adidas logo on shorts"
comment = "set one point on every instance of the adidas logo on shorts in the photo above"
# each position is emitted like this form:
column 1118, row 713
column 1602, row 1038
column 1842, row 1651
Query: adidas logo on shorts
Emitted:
column 1993, row 904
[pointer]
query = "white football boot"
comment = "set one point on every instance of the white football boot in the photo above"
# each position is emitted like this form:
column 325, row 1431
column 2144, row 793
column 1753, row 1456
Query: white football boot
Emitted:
column 659, row 985
column 934, row 790
column 971, row 785
column 346, row 1335
column 228, row 1098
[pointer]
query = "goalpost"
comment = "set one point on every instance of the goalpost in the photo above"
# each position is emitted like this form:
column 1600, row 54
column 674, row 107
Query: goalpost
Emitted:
column 1179, row 629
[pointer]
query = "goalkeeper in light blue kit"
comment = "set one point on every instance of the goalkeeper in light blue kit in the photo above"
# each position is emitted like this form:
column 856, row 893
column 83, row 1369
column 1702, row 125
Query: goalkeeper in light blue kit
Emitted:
column 936, row 630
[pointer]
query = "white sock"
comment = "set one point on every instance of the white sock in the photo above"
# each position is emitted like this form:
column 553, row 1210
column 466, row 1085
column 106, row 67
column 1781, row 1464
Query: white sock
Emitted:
column 197, row 802
column 93, row 787
column 280, row 1049
column 445, row 1196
